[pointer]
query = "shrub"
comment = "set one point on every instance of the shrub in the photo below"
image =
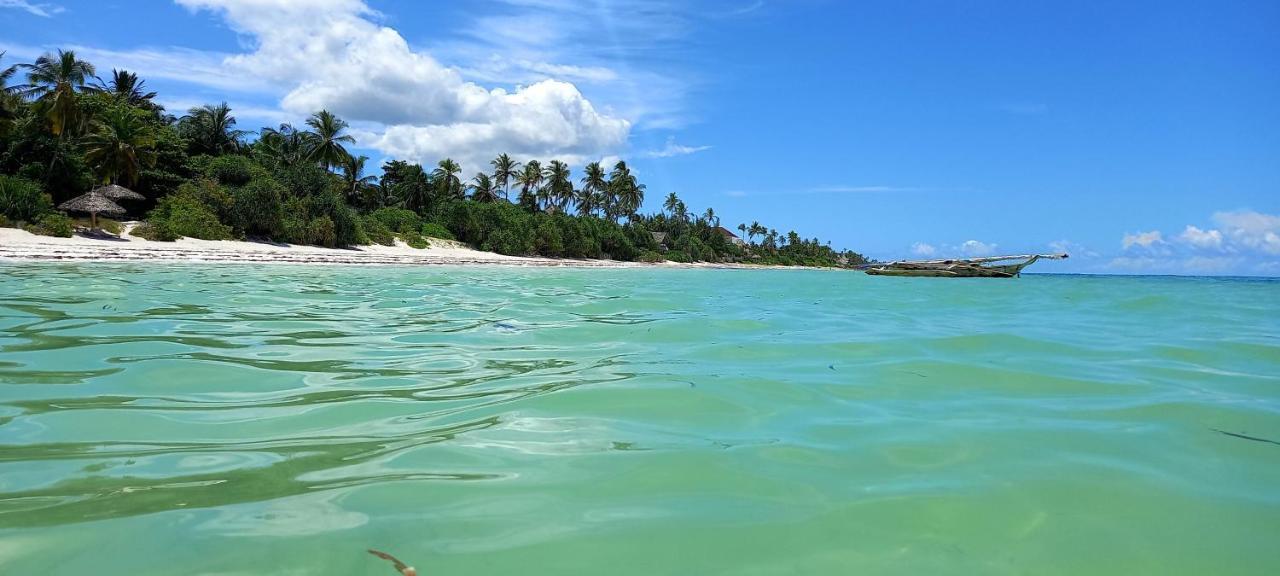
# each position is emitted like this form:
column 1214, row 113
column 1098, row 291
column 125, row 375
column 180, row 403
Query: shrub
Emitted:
column 22, row 199
column 377, row 232
column 257, row 208
column 651, row 256
column 547, row 240
column 293, row 223
column 230, row 169
column 53, row 224
column 215, row 197
column 347, row 228
column 321, row 231
column 110, row 225
column 398, row 219
column 185, row 215
column 677, row 256
column 434, row 230
column 4, row 221
column 155, row 230
column 304, row 180
column 414, row 240
column 509, row 242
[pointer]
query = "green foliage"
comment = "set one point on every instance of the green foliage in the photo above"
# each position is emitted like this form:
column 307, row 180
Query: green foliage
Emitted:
column 322, row 232
column 651, row 257
column 53, row 224
column 257, row 208
column 677, row 256
column 23, row 200
column 231, row 170
column 377, row 232
column 305, row 180
column 347, row 228
column 293, row 225
column 155, row 230
column 415, row 241
column 434, row 230
column 185, row 214
column 4, row 221
column 398, row 220
column 106, row 224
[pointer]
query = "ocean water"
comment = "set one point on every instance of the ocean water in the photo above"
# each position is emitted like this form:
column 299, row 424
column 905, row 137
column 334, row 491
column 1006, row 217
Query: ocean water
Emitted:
column 159, row 420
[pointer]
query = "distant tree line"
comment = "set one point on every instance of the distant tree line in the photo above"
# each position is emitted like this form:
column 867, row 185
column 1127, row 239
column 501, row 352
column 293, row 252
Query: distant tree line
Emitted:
column 64, row 130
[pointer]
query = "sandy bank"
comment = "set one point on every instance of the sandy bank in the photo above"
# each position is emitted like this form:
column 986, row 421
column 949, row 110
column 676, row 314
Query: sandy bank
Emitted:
column 20, row 245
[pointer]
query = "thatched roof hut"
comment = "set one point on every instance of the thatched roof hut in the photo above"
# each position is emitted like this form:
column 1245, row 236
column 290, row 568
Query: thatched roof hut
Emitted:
column 118, row 192
column 93, row 203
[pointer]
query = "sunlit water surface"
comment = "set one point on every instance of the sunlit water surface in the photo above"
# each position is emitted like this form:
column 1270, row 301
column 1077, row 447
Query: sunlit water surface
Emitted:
column 280, row 420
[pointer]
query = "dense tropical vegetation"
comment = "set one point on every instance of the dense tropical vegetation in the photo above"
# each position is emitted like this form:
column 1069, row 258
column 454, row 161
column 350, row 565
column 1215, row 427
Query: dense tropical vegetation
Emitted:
column 64, row 130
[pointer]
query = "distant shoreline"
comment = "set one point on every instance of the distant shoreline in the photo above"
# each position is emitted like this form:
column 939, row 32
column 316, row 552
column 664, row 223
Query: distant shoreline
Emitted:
column 21, row 246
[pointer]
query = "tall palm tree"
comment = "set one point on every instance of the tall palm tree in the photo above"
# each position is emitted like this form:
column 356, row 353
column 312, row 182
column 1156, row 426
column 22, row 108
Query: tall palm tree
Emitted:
column 742, row 229
column 446, row 178
column 353, row 174
column 594, row 185
column 412, row 188
column 285, row 146
column 711, row 218
column 327, row 146
column 8, row 97
column 121, row 144
column 504, row 171
column 669, row 205
column 530, row 179
column 127, row 88
column 52, row 81
column 558, row 185
column 484, row 189
column 211, row 129
column 628, row 194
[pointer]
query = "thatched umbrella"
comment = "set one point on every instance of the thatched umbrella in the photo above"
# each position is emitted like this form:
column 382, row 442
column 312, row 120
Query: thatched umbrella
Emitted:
column 93, row 203
column 118, row 192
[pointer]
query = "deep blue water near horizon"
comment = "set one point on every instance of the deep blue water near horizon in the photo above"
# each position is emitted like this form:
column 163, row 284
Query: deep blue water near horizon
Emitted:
column 236, row 419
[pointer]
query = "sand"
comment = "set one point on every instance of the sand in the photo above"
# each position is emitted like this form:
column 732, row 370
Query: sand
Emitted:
column 18, row 244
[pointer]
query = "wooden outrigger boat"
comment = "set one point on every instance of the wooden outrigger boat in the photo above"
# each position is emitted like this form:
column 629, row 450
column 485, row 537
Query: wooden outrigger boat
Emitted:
column 988, row 267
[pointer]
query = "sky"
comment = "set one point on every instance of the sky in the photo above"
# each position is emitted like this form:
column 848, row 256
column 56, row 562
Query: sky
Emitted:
column 1140, row 137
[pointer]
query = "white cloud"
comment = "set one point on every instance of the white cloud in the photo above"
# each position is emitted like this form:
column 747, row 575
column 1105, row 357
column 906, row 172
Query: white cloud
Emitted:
column 860, row 189
column 331, row 54
column 1143, row 239
column 37, row 9
column 1202, row 239
column 922, row 249
column 1251, row 230
column 976, row 248
column 736, row 193
column 1074, row 249
column 673, row 149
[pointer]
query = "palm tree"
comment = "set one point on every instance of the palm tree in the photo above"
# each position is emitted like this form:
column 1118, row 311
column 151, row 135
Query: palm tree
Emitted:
column 211, row 129
column 530, row 179
column 127, row 88
column 412, row 188
column 8, row 97
column 484, row 189
column 285, row 146
column 592, row 195
column 353, row 174
column 53, row 81
column 504, row 171
column 670, row 203
column 711, row 218
column 120, row 146
column 446, row 178
column 326, row 147
column 628, row 194
column 742, row 229
column 558, row 188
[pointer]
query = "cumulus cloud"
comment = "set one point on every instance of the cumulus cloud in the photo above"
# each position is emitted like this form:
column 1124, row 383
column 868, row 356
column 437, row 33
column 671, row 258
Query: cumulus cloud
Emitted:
column 923, row 249
column 1251, row 230
column 976, row 248
column 1202, row 239
column 37, row 9
column 331, row 54
column 1143, row 240
column 673, row 149
column 1072, row 248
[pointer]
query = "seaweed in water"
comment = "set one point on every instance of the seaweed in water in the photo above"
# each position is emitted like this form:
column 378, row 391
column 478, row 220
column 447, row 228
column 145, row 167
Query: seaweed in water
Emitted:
column 1246, row 436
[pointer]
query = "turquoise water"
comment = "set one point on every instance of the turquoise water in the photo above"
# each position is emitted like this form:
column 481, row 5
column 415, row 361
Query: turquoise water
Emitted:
column 280, row 420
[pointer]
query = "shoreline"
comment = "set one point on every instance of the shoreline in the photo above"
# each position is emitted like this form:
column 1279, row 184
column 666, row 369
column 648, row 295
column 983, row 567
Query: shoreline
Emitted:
column 18, row 245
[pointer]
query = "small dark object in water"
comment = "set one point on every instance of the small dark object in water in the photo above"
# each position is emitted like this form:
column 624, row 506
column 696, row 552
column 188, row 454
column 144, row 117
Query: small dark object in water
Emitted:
column 404, row 569
column 506, row 326
column 1246, row 436
column 831, row 366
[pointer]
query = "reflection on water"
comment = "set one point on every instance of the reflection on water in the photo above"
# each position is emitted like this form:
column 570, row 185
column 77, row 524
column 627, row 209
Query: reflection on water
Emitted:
column 250, row 420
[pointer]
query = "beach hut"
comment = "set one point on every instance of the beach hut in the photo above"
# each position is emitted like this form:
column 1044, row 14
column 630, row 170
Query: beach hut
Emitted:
column 118, row 192
column 93, row 203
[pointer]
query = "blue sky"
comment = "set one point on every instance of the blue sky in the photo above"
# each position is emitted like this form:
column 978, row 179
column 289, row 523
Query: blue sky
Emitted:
column 1143, row 137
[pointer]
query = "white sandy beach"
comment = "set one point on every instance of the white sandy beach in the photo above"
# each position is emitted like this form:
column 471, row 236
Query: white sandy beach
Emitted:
column 16, row 244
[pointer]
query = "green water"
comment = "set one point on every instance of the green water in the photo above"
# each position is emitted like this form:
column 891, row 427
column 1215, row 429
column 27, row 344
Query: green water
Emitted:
column 279, row 420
